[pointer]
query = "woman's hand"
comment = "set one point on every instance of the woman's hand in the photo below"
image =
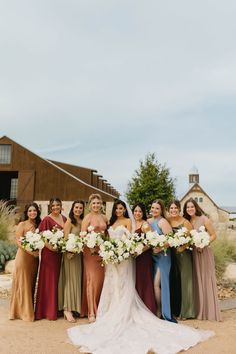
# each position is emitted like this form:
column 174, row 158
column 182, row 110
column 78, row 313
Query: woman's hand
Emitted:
column 50, row 247
column 69, row 255
column 157, row 250
column 181, row 249
column 199, row 250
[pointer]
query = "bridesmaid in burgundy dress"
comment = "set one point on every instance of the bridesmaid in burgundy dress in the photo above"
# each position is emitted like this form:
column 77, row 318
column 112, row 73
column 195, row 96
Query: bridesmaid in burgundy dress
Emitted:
column 47, row 292
column 144, row 265
column 93, row 273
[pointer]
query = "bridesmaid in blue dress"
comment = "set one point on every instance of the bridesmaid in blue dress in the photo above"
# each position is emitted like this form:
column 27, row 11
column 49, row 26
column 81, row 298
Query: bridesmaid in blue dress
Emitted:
column 161, row 262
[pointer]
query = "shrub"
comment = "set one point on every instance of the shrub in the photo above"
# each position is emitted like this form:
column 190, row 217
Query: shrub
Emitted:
column 7, row 252
column 7, row 219
column 224, row 253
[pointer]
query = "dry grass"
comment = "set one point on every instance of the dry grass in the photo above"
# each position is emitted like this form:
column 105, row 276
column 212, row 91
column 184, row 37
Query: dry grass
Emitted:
column 7, row 220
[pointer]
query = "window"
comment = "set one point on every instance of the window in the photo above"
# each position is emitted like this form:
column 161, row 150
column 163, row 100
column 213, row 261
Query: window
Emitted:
column 196, row 199
column 14, row 187
column 200, row 199
column 5, row 154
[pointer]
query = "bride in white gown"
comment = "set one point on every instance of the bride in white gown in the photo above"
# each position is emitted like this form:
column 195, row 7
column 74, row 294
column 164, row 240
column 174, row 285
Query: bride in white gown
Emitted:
column 124, row 325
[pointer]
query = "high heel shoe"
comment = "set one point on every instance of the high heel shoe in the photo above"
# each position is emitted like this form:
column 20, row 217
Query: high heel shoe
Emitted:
column 69, row 317
column 91, row 318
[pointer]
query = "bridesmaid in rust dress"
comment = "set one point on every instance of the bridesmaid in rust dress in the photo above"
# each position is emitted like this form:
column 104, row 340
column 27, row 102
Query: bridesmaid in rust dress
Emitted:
column 144, row 265
column 26, row 268
column 93, row 274
column 204, row 278
column 47, row 292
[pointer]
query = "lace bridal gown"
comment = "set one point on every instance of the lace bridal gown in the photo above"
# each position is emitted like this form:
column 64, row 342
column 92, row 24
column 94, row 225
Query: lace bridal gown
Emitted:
column 124, row 325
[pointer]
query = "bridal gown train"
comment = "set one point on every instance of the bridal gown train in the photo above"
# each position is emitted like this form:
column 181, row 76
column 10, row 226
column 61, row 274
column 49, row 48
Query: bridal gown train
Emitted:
column 124, row 325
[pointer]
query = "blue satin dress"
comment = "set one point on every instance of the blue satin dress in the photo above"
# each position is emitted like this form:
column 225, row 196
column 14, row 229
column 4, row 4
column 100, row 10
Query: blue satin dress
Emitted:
column 163, row 262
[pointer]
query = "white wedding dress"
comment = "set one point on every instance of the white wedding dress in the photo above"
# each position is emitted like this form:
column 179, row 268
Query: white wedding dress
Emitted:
column 124, row 325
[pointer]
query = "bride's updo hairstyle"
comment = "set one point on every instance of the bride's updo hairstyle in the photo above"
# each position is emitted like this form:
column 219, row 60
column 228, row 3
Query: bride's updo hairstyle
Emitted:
column 113, row 213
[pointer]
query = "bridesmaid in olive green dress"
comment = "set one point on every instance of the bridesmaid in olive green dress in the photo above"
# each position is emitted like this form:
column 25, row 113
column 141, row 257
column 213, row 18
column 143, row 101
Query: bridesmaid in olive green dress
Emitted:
column 183, row 259
column 69, row 289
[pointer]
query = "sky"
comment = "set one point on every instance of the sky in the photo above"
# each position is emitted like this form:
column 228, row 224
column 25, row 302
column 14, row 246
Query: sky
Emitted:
column 102, row 83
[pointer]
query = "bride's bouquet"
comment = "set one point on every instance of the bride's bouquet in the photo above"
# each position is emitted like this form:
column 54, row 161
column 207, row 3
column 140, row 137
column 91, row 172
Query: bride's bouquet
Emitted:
column 113, row 251
column 180, row 238
column 74, row 243
column 55, row 238
column 92, row 239
column 153, row 240
column 32, row 241
column 201, row 238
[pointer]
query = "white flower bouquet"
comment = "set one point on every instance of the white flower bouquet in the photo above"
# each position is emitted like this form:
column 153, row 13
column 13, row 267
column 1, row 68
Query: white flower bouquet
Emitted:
column 91, row 238
column 74, row 243
column 180, row 238
column 201, row 238
column 32, row 241
column 113, row 251
column 134, row 244
column 153, row 240
column 55, row 238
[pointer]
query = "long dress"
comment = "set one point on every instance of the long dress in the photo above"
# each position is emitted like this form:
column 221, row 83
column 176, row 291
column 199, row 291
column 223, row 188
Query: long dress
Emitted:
column 23, row 286
column 185, row 266
column 204, row 281
column 124, row 324
column 69, row 287
column 144, row 278
column 162, row 261
column 50, row 265
column 93, row 276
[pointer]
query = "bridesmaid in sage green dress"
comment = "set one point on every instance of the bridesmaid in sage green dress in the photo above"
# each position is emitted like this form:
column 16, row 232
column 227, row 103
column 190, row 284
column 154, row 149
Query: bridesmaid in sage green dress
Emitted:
column 70, row 282
column 183, row 259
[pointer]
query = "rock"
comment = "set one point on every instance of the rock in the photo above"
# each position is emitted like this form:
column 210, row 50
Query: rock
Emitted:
column 230, row 272
column 9, row 267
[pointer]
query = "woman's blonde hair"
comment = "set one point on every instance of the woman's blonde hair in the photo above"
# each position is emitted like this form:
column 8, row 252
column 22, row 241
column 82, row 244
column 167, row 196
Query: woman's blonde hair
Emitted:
column 94, row 196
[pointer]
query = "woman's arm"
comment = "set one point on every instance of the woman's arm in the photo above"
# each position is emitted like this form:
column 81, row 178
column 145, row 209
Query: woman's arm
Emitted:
column 210, row 229
column 85, row 223
column 67, row 228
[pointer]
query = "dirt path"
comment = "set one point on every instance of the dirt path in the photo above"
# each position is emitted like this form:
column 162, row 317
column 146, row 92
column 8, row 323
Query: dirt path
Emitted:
column 49, row 337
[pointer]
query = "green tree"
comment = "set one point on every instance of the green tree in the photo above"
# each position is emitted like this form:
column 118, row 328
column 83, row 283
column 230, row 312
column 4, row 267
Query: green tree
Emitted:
column 150, row 181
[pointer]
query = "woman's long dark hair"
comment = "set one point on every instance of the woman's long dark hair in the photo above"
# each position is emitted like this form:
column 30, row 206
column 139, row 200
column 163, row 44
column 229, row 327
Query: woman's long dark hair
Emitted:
column 52, row 200
column 71, row 213
column 113, row 213
column 199, row 211
column 142, row 207
column 176, row 202
column 38, row 218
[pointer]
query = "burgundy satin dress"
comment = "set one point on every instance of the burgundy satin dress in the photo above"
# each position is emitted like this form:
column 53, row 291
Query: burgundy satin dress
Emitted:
column 50, row 265
column 144, row 279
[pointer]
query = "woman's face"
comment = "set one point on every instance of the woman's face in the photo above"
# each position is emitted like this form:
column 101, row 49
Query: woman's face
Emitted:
column 56, row 207
column 155, row 210
column 190, row 209
column 138, row 214
column 78, row 209
column 174, row 210
column 95, row 205
column 32, row 213
column 120, row 210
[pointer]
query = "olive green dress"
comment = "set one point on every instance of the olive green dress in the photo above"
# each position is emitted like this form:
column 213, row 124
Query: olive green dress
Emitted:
column 185, row 265
column 69, row 288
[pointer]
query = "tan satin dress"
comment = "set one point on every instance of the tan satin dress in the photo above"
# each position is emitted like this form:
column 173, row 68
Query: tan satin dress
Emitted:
column 23, row 286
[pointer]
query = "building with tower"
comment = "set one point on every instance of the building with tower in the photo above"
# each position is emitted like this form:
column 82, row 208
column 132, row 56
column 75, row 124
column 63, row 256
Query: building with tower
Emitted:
column 195, row 191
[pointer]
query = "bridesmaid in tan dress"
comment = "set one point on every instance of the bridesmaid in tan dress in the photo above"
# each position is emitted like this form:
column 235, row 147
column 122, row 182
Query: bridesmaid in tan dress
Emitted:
column 204, row 278
column 26, row 268
column 93, row 275
column 69, row 288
